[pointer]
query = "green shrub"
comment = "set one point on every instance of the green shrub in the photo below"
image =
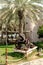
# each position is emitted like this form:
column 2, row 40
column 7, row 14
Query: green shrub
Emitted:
column 40, row 31
column 39, row 44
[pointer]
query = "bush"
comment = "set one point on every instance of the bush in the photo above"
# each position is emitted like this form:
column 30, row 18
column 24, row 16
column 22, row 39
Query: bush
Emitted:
column 39, row 44
column 40, row 31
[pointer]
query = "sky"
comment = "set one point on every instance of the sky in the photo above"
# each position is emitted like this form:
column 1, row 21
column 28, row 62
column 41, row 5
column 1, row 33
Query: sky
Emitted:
column 3, row 3
column 38, row 4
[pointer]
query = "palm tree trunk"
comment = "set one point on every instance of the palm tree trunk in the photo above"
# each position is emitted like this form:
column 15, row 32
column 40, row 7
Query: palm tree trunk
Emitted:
column 1, row 36
column 20, row 27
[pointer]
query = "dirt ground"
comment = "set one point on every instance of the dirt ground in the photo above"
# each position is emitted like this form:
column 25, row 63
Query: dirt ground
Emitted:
column 29, row 58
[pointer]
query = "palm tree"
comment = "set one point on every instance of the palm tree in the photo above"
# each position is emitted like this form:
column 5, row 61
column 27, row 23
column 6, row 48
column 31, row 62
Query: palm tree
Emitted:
column 20, row 8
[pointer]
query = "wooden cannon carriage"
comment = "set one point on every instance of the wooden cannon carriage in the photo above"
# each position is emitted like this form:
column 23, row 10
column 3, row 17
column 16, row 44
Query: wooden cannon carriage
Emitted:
column 24, row 46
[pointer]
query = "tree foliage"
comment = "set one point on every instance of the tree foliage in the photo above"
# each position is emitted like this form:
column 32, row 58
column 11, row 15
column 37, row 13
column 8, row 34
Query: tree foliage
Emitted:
column 21, row 9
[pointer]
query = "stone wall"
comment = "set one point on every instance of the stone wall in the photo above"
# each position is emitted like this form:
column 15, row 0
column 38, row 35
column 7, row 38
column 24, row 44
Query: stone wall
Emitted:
column 32, row 28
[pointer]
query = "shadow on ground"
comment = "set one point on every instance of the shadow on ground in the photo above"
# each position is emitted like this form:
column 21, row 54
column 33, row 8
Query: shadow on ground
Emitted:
column 15, row 54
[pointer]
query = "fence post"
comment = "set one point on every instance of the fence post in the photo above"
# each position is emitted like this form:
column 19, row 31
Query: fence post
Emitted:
column 6, row 46
column 6, row 56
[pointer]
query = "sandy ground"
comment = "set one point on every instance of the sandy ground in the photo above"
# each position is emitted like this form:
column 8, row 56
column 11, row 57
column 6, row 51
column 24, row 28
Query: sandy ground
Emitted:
column 28, row 59
column 34, row 62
